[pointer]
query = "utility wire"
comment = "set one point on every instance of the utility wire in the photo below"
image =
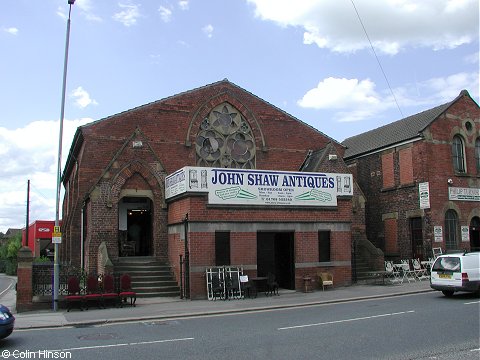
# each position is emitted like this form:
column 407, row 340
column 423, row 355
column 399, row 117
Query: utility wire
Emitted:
column 376, row 57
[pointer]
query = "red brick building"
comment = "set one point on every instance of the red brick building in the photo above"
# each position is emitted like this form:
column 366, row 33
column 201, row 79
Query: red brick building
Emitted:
column 421, row 178
column 115, row 189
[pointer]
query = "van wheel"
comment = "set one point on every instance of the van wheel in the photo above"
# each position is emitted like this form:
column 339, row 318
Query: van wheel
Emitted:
column 447, row 293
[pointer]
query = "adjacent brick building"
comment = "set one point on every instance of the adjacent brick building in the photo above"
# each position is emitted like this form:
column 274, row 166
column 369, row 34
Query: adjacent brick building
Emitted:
column 421, row 178
column 115, row 190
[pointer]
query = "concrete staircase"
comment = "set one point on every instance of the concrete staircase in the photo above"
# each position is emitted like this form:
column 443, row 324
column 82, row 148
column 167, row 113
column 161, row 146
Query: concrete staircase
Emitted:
column 150, row 277
column 368, row 261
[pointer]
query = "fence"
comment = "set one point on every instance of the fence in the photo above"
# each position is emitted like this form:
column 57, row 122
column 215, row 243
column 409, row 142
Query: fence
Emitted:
column 42, row 278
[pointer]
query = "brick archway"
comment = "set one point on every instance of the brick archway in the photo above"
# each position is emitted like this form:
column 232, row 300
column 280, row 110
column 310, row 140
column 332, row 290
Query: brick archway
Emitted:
column 154, row 191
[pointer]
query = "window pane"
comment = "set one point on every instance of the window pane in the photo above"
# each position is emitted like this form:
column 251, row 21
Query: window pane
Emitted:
column 222, row 248
column 448, row 264
column 477, row 154
column 451, row 224
column 323, row 246
column 458, row 154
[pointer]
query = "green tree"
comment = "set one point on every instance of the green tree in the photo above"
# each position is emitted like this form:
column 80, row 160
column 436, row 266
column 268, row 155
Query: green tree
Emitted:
column 8, row 254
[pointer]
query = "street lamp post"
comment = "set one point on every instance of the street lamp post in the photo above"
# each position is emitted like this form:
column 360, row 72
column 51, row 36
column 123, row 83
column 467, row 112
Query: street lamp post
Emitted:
column 56, row 265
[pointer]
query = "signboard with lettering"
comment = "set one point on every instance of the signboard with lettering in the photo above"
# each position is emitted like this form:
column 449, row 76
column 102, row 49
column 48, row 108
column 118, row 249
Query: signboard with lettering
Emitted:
column 424, row 195
column 260, row 187
column 438, row 233
column 465, row 230
column 464, row 194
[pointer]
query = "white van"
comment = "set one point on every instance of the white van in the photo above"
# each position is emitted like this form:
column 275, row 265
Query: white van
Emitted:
column 456, row 272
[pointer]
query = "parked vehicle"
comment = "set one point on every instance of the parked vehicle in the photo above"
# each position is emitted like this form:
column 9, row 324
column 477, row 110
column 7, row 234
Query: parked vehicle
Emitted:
column 7, row 321
column 456, row 272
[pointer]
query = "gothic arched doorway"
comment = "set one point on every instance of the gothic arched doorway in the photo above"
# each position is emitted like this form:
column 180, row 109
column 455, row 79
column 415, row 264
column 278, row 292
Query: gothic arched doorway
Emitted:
column 135, row 226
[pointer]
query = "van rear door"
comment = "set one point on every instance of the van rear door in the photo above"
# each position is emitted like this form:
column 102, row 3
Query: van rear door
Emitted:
column 447, row 271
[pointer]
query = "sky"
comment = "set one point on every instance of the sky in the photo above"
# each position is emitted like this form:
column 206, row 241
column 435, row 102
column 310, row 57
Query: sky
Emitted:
column 341, row 66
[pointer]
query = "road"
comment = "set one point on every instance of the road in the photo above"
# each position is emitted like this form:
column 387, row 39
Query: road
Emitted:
column 5, row 284
column 422, row 326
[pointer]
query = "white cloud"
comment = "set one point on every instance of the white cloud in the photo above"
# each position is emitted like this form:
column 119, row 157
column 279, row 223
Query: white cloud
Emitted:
column 129, row 15
column 165, row 13
column 473, row 58
column 332, row 93
column 11, row 30
column 392, row 25
column 82, row 97
column 208, row 30
column 31, row 153
column 353, row 99
column 183, row 4
column 356, row 100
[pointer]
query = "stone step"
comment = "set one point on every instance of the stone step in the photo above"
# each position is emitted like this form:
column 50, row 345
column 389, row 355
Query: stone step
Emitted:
column 149, row 276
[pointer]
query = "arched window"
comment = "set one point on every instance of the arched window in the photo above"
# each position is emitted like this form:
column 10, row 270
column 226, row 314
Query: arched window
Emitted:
column 225, row 140
column 451, row 229
column 477, row 154
column 458, row 154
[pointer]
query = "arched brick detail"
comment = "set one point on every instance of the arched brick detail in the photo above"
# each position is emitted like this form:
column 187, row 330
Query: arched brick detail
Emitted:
column 156, row 183
column 204, row 109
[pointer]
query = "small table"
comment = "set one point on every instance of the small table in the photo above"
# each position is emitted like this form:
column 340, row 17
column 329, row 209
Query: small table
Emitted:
column 260, row 283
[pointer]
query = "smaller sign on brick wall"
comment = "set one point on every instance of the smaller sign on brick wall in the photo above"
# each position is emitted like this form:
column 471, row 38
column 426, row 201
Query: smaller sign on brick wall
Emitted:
column 438, row 233
column 424, row 195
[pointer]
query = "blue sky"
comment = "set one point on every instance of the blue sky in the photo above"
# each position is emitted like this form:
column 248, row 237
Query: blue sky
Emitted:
column 343, row 66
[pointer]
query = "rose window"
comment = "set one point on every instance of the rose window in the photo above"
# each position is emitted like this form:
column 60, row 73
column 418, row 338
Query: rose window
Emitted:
column 225, row 140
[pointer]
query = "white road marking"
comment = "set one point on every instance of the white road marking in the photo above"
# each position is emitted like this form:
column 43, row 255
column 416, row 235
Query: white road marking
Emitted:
column 472, row 302
column 123, row 344
column 346, row 320
column 8, row 288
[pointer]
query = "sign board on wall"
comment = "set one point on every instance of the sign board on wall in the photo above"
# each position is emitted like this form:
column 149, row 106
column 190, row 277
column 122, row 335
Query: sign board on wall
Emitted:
column 464, row 194
column 465, row 233
column 260, row 187
column 424, row 195
column 438, row 233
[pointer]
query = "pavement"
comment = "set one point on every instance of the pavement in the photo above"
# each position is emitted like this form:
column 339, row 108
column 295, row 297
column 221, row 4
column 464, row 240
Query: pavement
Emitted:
column 161, row 308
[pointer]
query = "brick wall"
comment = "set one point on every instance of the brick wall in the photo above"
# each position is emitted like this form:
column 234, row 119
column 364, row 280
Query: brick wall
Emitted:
column 431, row 161
column 109, row 164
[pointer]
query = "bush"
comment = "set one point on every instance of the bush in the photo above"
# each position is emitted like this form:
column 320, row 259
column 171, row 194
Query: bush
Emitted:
column 8, row 254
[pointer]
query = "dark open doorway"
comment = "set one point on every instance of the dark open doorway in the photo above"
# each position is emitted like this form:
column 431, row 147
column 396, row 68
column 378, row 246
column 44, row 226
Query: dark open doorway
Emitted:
column 416, row 234
column 135, row 226
column 275, row 254
column 139, row 230
column 475, row 234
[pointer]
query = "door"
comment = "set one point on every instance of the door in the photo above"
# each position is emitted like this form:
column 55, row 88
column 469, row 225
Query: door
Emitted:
column 416, row 234
column 475, row 234
column 275, row 254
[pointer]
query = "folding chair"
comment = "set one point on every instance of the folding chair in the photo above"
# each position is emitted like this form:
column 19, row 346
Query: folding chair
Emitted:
column 407, row 271
column 392, row 274
column 420, row 273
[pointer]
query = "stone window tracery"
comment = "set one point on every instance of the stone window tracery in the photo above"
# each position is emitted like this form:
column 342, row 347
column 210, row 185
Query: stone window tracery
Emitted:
column 225, row 139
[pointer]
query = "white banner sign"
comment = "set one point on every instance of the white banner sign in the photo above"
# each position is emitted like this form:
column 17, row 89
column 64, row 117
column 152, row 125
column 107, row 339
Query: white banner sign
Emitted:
column 424, row 195
column 260, row 187
column 465, row 194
